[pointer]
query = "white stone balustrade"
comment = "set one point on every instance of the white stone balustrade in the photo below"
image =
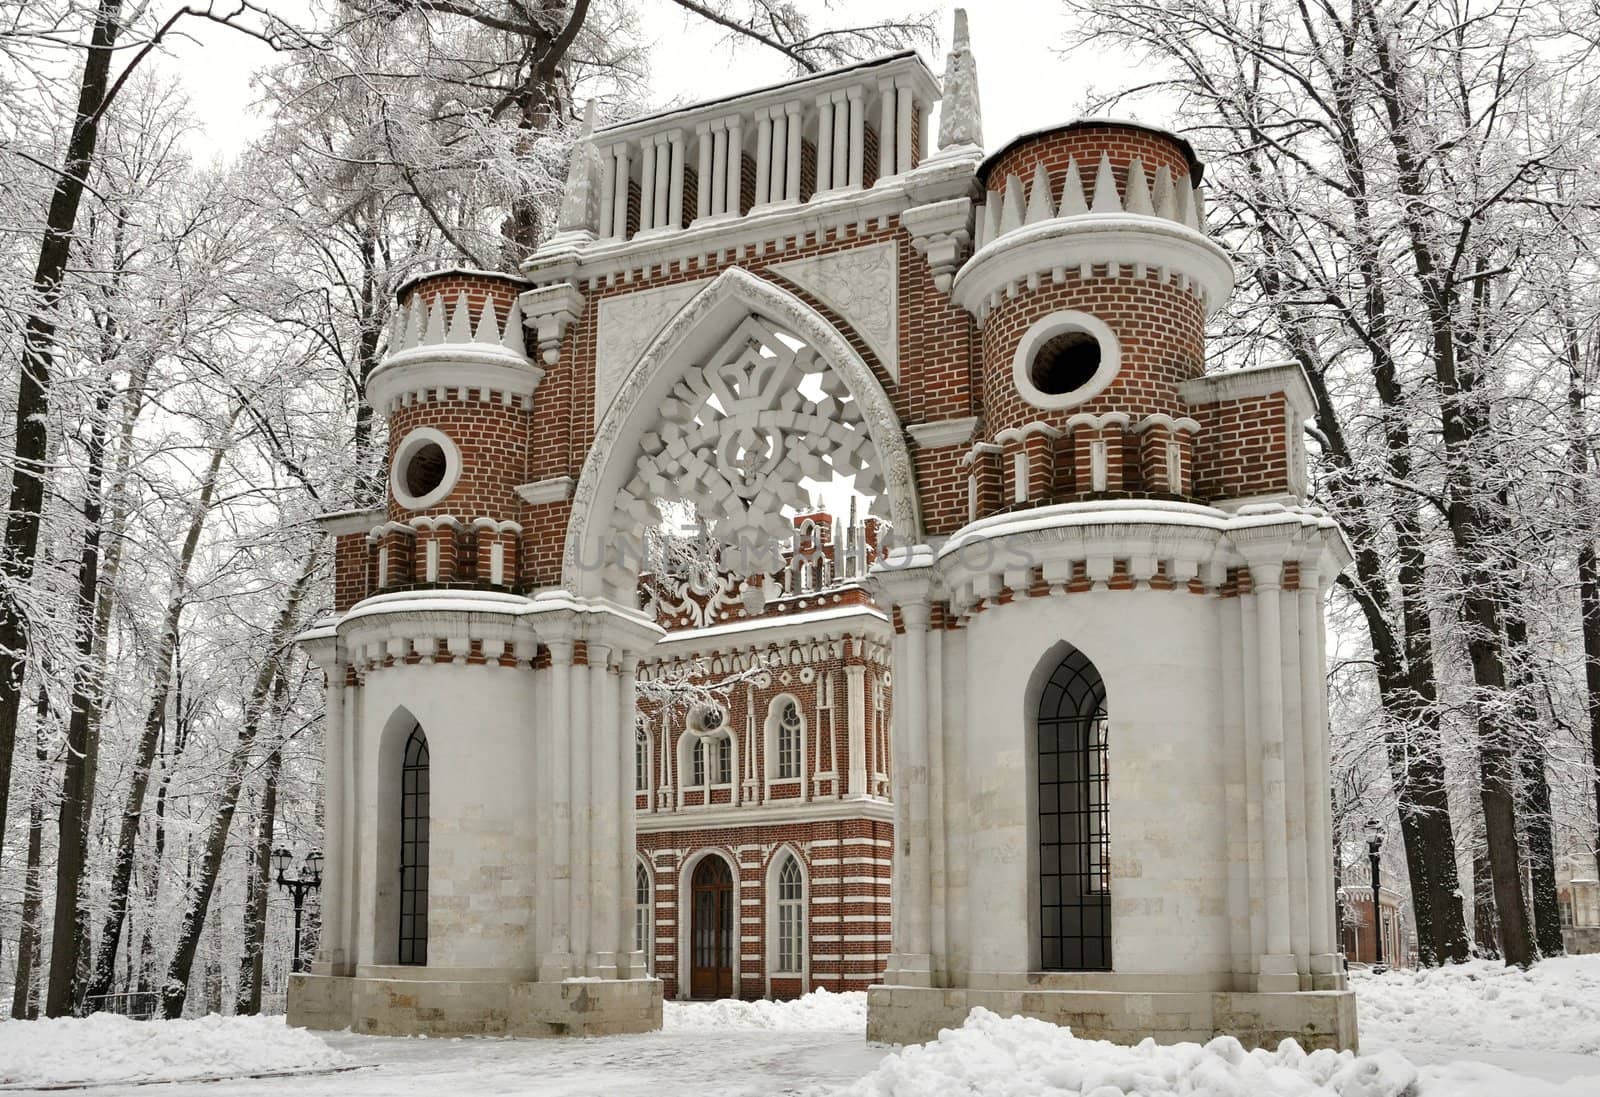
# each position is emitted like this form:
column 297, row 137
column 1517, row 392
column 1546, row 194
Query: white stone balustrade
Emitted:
column 830, row 134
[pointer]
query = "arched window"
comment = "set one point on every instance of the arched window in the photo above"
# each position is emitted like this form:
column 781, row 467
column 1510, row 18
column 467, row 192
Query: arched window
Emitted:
column 789, row 728
column 791, row 916
column 414, row 850
column 697, row 777
column 1074, row 835
column 641, row 760
column 723, row 770
column 642, row 920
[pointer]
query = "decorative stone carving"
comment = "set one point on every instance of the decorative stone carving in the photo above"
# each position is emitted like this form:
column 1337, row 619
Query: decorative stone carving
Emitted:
column 862, row 286
column 627, row 324
column 733, row 288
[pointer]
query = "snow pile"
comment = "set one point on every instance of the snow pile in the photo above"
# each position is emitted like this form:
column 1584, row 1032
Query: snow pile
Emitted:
column 821, row 1010
column 104, row 1048
column 991, row 1056
column 1484, row 1005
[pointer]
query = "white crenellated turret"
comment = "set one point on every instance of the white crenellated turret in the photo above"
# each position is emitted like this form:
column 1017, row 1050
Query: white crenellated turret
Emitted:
column 415, row 326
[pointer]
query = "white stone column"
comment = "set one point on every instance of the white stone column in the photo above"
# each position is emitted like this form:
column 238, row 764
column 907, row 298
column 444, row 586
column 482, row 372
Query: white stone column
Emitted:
column 620, row 212
column 763, row 157
column 1252, row 779
column 793, row 162
column 719, row 170
column 1235, row 753
column 1277, row 967
column 630, row 960
column 647, row 187
column 933, row 737
column 578, row 743
column 905, row 105
column 885, row 129
column 702, row 181
column 557, row 963
column 856, row 170
column 675, row 188
column 841, row 140
column 356, row 882
column 855, row 677
column 735, row 163
column 911, row 697
column 332, row 949
column 778, row 179
column 824, row 142
column 1319, row 835
column 954, row 817
column 663, row 182
column 608, row 192
column 602, row 817
column 1294, row 787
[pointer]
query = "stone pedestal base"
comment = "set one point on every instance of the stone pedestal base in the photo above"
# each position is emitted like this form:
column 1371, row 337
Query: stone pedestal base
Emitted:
column 1316, row 1019
column 444, row 1007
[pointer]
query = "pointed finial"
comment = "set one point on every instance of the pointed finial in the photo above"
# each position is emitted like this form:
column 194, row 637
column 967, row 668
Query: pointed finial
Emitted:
column 591, row 110
column 960, row 120
column 580, row 202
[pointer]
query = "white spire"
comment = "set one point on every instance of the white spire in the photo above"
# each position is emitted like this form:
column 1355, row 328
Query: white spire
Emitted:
column 1105, row 188
column 1164, row 204
column 1072, row 201
column 461, row 320
column 580, row 202
column 1011, row 212
column 1138, row 198
column 488, row 330
column 1040, row 206
column 435, row 332
column 960, row 120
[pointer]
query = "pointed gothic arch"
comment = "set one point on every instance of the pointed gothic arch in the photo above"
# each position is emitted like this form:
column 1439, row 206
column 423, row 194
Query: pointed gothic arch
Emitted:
column 705, row 331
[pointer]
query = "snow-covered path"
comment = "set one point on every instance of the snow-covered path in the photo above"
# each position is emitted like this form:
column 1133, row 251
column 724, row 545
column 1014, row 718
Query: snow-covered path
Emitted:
column 1477, row 1030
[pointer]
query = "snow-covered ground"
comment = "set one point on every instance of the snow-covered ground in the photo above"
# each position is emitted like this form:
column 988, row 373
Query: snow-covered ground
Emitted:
column 1477, row 1030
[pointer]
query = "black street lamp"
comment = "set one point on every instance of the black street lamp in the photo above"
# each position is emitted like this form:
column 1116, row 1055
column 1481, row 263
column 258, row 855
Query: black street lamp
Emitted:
column 308, row 879
column 1374, row 847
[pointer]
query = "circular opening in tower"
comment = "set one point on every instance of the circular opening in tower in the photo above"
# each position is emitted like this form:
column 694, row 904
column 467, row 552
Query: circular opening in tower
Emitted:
column 425, row 471
column 425, row 468
column 1065, row 363
column 1065, row 359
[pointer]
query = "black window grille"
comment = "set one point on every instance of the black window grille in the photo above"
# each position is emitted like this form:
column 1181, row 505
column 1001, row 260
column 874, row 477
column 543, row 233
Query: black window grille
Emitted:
column 641, row 761
column 1074, row 816
column 414, row 851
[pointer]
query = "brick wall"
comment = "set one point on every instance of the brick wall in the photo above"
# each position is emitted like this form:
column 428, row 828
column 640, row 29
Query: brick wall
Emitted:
column 1085, row 142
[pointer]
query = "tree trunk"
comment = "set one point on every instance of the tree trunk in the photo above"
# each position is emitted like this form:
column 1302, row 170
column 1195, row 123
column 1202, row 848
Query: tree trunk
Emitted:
column 1485, row 922
column 21, row 544
column 1583, row 505
column 258, row 878
column 1537, row 820
column 155, row 716
column 175, row 988
column 24, row 1000
column 70, row 927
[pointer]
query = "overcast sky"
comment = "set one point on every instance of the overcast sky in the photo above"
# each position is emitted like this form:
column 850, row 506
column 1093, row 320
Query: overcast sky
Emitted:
column 1025, row 82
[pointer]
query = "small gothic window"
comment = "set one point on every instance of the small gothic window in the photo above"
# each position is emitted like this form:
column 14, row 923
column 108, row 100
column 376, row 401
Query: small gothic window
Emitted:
column 641, row 760
column 414, row 850
column 641, row 912
column 698, row 777
column 789, row 740
column 791, row 916
column 724, row 749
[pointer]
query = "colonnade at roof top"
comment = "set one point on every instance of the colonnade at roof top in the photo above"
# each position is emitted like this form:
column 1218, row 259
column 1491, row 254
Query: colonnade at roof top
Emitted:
column 834, row 133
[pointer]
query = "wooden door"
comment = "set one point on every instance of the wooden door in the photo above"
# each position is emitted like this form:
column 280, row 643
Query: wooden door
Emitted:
column 711, row 930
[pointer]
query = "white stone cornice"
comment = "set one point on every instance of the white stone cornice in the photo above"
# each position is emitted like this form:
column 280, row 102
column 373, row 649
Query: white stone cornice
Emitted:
column 451, row 369
column 1253, row 382
column 736, row 816
column 1185, row 425
column 1021, row 433
column 346, row 522
column 941, row 231
column 1161, row 247
column 550, row 490
column 549, row 311
column 945, row 432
